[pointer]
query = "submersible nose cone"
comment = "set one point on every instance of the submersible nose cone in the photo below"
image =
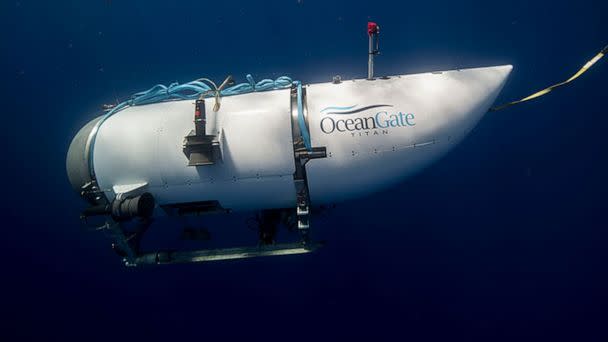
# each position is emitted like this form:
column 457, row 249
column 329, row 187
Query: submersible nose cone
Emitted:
column 76, row 163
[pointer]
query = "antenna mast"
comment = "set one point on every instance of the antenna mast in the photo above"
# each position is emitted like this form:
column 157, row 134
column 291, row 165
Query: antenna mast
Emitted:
column 373, row 31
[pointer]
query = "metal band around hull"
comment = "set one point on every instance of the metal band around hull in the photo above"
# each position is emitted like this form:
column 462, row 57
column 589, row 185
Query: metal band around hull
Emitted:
column 303, row 152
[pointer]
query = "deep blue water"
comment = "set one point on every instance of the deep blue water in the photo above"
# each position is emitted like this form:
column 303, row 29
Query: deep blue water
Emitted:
column 504, row 239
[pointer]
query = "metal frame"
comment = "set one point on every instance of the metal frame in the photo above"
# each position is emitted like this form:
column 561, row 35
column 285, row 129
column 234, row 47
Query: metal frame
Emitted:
column 180, row 257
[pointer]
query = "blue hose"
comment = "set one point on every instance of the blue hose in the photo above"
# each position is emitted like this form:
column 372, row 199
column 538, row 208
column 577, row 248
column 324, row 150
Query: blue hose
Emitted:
column 193, row 90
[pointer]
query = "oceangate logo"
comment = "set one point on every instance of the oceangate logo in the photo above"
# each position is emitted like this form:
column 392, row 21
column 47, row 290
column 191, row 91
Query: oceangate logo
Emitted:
column 378, row 123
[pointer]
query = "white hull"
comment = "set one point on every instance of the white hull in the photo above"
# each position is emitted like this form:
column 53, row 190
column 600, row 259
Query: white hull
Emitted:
column 417, row 119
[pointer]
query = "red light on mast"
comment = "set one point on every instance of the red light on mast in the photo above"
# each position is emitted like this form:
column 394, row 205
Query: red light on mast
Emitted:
column 372, row 28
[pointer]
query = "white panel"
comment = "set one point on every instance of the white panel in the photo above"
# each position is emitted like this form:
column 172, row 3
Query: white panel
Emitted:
column 255, row 138
column 125, row 148
column 241, row 194
column 256, row 134
column 144, row 144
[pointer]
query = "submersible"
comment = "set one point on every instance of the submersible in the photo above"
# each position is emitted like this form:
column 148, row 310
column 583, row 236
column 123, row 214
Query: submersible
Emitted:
column 280, row 147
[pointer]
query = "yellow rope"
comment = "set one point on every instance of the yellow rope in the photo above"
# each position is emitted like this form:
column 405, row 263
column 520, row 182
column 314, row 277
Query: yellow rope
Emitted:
column 549, row 89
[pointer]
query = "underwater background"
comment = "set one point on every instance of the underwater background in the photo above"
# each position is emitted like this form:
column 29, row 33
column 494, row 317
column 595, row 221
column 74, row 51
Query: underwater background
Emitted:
column 503, row 239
